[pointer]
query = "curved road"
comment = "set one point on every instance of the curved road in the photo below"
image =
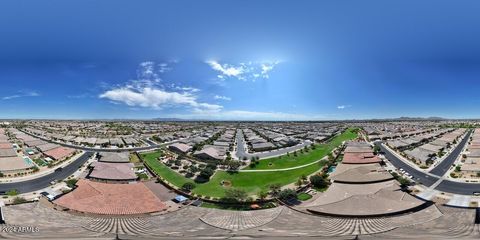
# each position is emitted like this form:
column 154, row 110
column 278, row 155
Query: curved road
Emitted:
column 44, row 181
column 428, row 179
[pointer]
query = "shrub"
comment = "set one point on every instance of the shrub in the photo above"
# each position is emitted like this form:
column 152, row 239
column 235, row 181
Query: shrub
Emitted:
column 71, row 182
column 235, row 195
column 207, row 173
column 318, row 181
column 287, row 194
column 12, row 192
column 274, row 189
column 19, row 200
column 188, row 186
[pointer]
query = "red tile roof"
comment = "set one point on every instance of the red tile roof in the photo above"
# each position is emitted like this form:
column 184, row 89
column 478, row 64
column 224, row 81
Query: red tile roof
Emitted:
column 59, row 153
column 111, row 199
column 5, row 145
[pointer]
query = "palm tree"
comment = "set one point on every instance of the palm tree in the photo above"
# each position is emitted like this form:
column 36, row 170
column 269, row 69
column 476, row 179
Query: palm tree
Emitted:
column 304, row 178
column 299, row 182
column 275, row 189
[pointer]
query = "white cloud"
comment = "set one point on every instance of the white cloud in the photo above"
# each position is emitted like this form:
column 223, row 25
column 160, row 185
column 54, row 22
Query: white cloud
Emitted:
column 151, row 71
column 147, row 71
column 21, row 94
column 206, row 108
column 150, row 94
column 157, row 98
column 218, row 97
column 226, row 69
column 266, row 68
column 243, row 71
column 164, row 67
column 343, row 106
column 189, row 89
column 146, row 97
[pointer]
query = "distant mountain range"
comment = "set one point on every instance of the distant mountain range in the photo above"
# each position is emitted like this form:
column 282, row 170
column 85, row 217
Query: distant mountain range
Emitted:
column 420, row 118
column 180, row 120
column 433, row 118
column 347, row 120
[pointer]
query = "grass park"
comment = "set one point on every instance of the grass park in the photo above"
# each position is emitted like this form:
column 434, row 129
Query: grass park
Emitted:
column 253, row 182
column 305, row 157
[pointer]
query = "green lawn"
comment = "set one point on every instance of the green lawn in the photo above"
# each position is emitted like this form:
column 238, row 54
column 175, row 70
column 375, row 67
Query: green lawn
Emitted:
column 134, row 158
column 251, row 182
column 40, row 162
column 142, row 176
column 171, row 176
column 319, row 152
column 304, row 196
column 244, row 207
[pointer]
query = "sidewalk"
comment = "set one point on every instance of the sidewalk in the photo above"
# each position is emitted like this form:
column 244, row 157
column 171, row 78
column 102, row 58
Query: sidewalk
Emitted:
column 41, row 173
column 281, row 169
column 406, row 161
column 450, row 150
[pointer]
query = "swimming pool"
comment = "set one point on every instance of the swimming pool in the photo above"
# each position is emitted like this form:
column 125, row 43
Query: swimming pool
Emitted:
column 332, row 169
column 28, row 161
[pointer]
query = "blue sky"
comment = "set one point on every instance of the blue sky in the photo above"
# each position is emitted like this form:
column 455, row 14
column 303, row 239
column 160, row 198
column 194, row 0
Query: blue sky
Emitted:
column 239, row 60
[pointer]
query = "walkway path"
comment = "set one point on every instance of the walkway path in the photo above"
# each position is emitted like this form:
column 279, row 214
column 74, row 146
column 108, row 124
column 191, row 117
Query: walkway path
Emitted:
column 430, row 179
column 280, row 169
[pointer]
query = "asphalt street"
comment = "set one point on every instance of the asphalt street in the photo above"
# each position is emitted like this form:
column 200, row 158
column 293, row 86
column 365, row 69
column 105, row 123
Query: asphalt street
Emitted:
column 241, row 152
column 44, row 181
column 419, row 176
column 241, row 149
column 149, row 142
column 443, row 167
column 428, row 180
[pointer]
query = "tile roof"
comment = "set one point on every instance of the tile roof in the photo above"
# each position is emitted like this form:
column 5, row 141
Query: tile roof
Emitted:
column 111, row 199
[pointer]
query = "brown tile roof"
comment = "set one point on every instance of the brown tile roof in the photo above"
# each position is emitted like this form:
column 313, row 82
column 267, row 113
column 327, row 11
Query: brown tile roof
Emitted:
column 14, row 164
column 113, row 171
column 59, row 153
column 388, row 200
column 111, row 199
column 360, row 173
column 5, row 145
column 360, row 158
column 8, row 152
